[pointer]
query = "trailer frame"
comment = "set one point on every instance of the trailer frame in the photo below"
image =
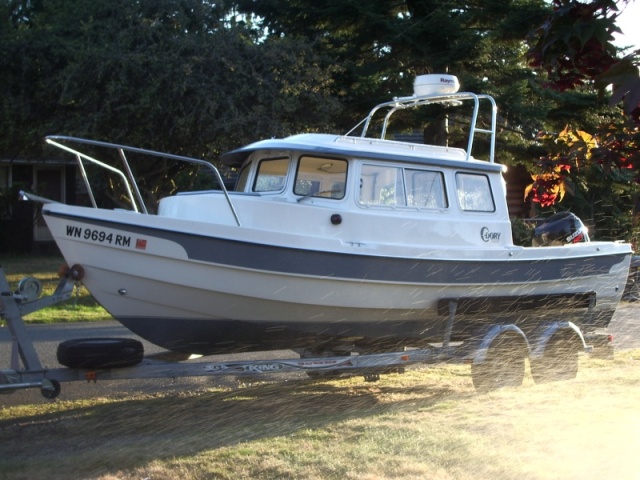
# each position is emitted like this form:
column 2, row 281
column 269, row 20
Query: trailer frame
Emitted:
column 26, row 370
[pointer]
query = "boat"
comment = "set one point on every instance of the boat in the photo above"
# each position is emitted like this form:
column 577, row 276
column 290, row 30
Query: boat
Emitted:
column 329, row 243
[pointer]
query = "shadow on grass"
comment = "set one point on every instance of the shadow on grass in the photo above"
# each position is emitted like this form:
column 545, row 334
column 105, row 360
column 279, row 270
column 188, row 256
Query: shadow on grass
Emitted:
column 93, row 440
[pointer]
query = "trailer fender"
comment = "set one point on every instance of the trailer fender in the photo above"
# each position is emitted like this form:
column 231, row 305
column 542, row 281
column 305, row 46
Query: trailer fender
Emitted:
column 487, row 336
column 541, row 337
column 555, row 354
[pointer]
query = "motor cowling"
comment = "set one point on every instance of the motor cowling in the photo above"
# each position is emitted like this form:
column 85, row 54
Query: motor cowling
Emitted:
column 560, row 229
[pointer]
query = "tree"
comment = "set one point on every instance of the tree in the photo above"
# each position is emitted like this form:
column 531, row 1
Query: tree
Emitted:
column 198, row 78
column 171, row 75
column 574, row 48
column 382, row 45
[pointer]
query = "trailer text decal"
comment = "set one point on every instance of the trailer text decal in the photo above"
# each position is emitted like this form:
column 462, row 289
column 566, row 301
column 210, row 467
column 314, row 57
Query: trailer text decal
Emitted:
column 99, row 236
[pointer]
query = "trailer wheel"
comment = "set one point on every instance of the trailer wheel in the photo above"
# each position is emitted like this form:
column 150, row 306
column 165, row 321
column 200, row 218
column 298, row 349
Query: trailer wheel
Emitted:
column 100, row 352
column 50, row 389
column 559, row 362
column 503, row 365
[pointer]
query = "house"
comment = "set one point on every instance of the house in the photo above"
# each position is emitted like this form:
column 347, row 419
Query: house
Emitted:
column 21, row 228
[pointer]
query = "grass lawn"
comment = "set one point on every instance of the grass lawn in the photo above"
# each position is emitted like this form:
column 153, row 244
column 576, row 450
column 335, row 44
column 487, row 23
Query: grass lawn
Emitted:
column 426, row 424
column 80, row 308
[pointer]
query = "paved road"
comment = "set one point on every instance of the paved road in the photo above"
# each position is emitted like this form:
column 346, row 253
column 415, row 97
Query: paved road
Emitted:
column 47, row 337
column 625, row 327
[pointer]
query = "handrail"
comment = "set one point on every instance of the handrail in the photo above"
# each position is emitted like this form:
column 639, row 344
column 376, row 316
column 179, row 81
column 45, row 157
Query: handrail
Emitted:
column 129, row 179
column 125, row 162
column 85, row 178
column 80, row 156
column 403, row 103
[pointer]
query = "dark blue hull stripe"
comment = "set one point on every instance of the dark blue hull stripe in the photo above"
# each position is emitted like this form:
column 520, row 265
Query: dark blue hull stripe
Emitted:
column 315, row 263
column 209, row 337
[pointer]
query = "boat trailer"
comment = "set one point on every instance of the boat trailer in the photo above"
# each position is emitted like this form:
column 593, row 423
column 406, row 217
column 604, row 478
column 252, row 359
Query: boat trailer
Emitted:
column 497, row 352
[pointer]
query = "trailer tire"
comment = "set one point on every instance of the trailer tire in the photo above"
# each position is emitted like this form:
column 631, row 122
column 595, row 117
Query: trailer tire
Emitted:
column 51, row 390
column 503, row 366
column 559, row 361
column 100, row 352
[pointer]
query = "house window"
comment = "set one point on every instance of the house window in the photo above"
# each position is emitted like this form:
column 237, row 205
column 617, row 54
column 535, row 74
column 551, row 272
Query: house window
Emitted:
column 49, row 183
column 4, row 177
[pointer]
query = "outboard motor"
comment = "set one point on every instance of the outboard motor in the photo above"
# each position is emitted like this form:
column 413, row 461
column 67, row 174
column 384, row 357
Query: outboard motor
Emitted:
column 559, row 229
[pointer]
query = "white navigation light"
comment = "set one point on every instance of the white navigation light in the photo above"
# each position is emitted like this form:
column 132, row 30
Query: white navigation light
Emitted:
column 438, row 84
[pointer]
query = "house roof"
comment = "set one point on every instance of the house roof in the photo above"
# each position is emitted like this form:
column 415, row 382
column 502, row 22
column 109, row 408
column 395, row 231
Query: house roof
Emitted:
column 36, row 162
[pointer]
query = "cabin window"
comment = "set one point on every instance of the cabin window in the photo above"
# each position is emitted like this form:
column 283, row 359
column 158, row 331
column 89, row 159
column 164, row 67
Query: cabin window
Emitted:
column 425, row 189
column 271, row 175
column 243, row 178
column 474, row 192
column 381, row 185
column 321, row 177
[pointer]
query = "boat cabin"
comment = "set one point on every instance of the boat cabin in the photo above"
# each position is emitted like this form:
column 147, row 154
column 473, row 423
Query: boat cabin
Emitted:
column 344, row 188
column 366, row 191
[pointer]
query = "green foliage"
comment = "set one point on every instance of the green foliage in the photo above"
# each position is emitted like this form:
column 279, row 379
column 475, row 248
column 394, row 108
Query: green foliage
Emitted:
column 604, row 202
column 167, row 75
column 521, row 231
column 200, row 78
column 383, row 45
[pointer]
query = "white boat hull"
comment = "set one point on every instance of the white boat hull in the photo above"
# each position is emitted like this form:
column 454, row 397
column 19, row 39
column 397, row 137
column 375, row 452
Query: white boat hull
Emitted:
column 202, row 288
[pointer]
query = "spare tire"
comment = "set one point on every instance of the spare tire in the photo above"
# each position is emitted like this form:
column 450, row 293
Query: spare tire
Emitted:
column 100, row 352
